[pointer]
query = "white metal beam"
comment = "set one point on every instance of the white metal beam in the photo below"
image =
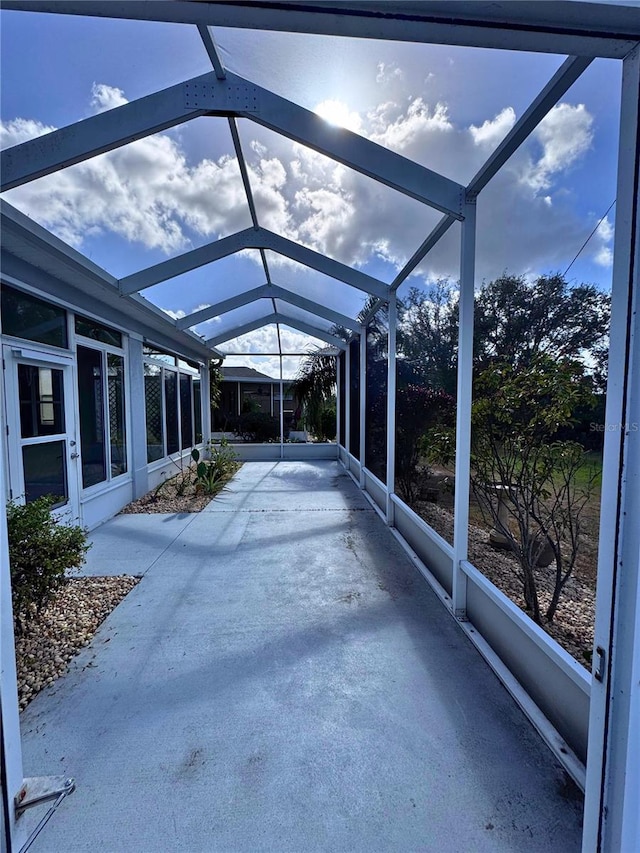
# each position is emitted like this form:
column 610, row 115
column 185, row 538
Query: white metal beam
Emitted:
column 232, row 96
column 212, row 50
column 464, row 399
column 336, row 317
column 612, row 793
column 391, row 409
column 588, row 29
column 285, row 320
column 251, row 238
column 189, row 261
column 362, row 391
column 223, row 307
column 559, row 84
column 344, row 146
column 265, row 291
column 327, row 266
column 103, row 132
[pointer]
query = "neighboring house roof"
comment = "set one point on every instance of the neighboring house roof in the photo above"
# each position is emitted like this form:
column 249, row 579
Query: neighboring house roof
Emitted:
column 246, row 374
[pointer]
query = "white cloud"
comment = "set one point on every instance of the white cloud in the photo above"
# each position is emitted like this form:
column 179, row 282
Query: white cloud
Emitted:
column 604, row 254
column 388, row 72
column 21, row 130
column 493, row 131
column 105, row 97
column 564, row 136
column 175, row 315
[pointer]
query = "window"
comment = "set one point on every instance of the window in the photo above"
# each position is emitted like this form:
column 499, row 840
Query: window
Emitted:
column 186, row 412
column 25, row 316
column 173, row 404
column 153, row 406
column 101, row 396
column 117, row 436
column 97, row 332
column 171, row 411
column 197, row 410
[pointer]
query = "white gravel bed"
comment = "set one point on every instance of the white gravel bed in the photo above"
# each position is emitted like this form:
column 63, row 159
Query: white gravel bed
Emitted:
column 63, row 627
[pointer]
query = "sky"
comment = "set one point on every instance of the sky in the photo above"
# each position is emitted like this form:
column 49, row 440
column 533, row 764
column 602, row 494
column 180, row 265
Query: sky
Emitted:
column 446, row 108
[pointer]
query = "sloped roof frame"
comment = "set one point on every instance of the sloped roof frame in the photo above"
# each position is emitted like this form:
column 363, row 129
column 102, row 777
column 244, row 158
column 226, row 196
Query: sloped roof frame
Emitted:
column 595, row 29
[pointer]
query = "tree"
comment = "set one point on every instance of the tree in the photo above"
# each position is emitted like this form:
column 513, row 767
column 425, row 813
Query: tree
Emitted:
column 315, row 387
column 515, row 321
column 428, row 334
column 525, row 480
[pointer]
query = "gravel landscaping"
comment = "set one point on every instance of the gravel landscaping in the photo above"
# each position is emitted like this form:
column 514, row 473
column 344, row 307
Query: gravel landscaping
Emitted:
column 573, row 624
column 62, row 628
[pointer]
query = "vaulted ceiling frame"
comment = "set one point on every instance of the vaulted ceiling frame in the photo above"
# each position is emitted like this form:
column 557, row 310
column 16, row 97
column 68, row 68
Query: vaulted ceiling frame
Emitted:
column 286, row 320
column 266, row 291
column 252, row 238
column 232, row 96
column 529, row 25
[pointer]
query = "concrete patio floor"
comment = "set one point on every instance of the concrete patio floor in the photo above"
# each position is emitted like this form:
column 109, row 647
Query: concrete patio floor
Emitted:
column 283, row 679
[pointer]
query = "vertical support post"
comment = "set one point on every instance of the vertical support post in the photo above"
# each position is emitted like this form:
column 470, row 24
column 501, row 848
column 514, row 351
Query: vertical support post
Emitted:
column 347, row 400
column 463, row 409
column 205, row 402
column 138, row 418
column 271, row 405
column 239, row 401
column 363, row 400
column 391, row 406
column 281, row 411
column 11, row 773
column 611, row 821
column 339, row 414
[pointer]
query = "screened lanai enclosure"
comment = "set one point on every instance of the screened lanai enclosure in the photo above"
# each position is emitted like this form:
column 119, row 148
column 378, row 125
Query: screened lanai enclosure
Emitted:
column 435, row 202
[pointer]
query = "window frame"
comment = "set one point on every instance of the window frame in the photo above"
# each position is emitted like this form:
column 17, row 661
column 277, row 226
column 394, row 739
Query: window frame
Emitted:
column 105, row 350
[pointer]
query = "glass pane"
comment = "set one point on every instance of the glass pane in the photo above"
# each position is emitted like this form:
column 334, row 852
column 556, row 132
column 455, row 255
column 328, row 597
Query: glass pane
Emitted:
column 171, row 411
column 153, row 406
column 341, row 372
column 186, row 414
column 24, row 316
column 354, row 399
column 41, row 401
column 226, row 414
column 426, row 377
column 45, row 471
column 197, row 410
column 115, row 385
column 188, row 365
column 376, row 408
column 91, row 401
column 158, row 355
column 97, row 332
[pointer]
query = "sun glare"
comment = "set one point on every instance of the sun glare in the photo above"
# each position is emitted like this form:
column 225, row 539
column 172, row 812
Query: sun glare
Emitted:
column 338, row 114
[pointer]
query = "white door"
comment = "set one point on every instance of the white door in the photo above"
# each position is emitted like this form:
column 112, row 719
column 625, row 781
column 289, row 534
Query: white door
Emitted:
column 43, row 454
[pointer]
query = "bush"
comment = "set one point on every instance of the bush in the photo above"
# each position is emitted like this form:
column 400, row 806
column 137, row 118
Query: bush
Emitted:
column 40, row 551
column 220, row 464
column 257, row 426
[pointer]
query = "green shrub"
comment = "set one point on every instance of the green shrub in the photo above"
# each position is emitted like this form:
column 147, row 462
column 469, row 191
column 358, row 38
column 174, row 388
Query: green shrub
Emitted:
column 214, row 471
column 40, row 551
column 257, row 427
